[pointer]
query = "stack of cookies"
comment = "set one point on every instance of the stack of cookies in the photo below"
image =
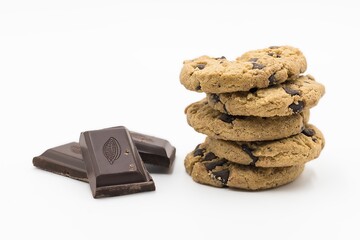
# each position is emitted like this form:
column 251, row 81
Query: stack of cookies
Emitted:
column 255, row 116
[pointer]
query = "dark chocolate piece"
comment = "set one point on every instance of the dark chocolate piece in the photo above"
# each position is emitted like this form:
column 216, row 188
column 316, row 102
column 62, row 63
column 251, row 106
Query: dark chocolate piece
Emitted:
column 272, row 79
column 222, row 57
column 198, row 151
column 222, row 175
column 291, row 92
column 209, row 156
column 308, row 132
column 113, row 164
column 273, row 47
column 297, row 107
column 153, row 150
column 65, row 160
column 213, row 164
column 257, row 66
column 226, row 118
column 248, row 150
column 201, row 66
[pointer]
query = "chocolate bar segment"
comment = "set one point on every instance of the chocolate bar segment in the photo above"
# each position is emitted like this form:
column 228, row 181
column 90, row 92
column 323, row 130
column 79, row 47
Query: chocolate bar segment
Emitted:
column 65, row 160
column 153, row 150
column 113, row 164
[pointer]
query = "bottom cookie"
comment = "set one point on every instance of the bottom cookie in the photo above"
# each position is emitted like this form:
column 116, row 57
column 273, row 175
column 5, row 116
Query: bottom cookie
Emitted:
column 218, row 172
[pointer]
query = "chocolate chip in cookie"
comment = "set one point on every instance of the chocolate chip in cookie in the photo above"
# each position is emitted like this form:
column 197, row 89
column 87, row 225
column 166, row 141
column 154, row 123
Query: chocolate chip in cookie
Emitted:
column 226, row 118
column 198, row 151
column 272, row 79
column 201, row 66
column 297, row 107
column 291, row 92
column 308, row 132
column 209, row 156
column 257, row 66
column 222, row 57
column 211, row 165
column 222, row 175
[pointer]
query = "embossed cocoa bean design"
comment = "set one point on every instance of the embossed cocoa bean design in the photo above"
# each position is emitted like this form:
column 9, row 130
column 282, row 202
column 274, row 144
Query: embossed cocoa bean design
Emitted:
column 112, row 150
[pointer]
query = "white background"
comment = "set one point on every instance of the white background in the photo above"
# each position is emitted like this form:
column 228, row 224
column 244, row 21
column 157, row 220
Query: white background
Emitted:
column 71, row 66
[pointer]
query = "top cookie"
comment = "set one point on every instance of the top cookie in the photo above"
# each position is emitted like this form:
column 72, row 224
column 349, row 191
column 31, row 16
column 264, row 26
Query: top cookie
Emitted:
column 281, row 100
column 254, row 69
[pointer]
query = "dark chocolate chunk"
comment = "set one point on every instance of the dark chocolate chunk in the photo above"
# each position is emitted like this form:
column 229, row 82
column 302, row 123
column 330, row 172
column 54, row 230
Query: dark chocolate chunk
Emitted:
column 272, row 79
column 222, row 57
column 257, row 66
column 201, row 66
column 213, row 164
column 210, row 156
column 153, row 150
column 253, row 90
column 308, row 132
column 214, row 98
column 248, row 150
column 226, row 118
column 253, row 59
column 65, row 160
column 198, row 151
column 198, row 88
column 290, row 91
column 222, row 175
column 297, row 107
column 273, row 47
column 111, row 173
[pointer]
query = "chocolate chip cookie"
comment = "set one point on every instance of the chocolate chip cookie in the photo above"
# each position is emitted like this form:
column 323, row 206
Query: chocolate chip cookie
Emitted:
column 281, row 100
column 254, row 69
column 294, row 150
column 207, row 168
column 215, row 124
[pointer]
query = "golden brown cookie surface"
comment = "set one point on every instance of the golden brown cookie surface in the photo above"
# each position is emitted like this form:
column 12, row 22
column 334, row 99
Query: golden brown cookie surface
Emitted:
column 254, row 69
column 294, row 150
column 284, row 99
column 207, row 168
column 215, row 124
